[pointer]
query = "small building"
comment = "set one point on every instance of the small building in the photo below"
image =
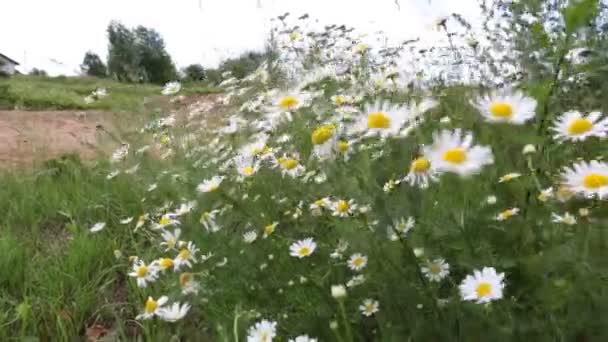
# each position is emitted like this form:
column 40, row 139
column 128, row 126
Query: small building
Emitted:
column 7, row 65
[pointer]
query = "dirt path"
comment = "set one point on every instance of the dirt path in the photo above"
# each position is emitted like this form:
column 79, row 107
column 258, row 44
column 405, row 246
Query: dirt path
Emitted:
column 27, row 137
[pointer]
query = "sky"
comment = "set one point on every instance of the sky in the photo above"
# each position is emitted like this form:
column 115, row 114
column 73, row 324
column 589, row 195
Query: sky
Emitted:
column 55, row 34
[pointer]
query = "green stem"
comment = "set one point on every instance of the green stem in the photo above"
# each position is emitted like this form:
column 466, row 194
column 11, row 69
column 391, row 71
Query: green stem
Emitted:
column 349, row 334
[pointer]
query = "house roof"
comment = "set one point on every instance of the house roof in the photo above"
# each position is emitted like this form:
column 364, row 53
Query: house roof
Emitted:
column 9, row 59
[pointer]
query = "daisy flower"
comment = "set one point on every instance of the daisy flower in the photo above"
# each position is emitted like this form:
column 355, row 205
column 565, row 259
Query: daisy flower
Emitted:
column 289, row 101
column 250, row 236
column 401, row 227
column 575, row 126
column 97, row 227
column 152, row 307
column 381, row 119
column 171, row 88
column 356, row 280
column 210, row 185
column 340, row 100
column 568, row 218
column 144, row 273
column 483, row 286
column 507, row 214
column 246, row 166
column 343, row 208
column 545, row 194
column 302, row 248
column 269, row 229
column 589, row 179
column 369, row 307
column 263, row 331
column 165, row 221
column 357, row 262
column 453, row 151
column 436, row 270
column 506, row 106
column 164, row 263
column 184, row 208
column 303, row 338
column 338, row 291
column 509, row 177
column 420, row 173
column 188, row 284
column 208, row 220
column 173, row 313
column 186, row 256
column 289, row 166
column 316, row 208
column 170, row 240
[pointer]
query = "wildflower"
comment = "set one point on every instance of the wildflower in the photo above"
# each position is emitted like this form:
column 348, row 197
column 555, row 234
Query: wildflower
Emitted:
column 529, row 149
column 126, row 220
column 566, row 219
column 121, row 153
column 97, row 227
column 303, row 338
column 389, row 186
column 369, row 307
column 323, row 134
column 173, row 313
column 246, row 166
column 188, row 284
column 152, row 307
column 210, row 185
column 184, row 208
column 402, row 226
column 584, row 212
column 340, row 100
column 420, row 173
column 508, row 106
column 171, row 88
column 418, row 252
column 290, row 101
column 452, row 151
column 575, row 126
column 564, row 193
column 357, row 262
column 491, row 199
column 165, row 221
column 343, row 208
column 186, row 256
column 509, row 177
column 302, row 248
column 588, row 179
column 545, row 194
column 164, row 263
column 507, row 214
column 436, row 270
column 144, row 273
column 263, row 331
column 170, row 240
column 483, row 286
column 141, row 220
column 356, row 280
column 250, row 236
column 382, row 119
column 290, row 166
column 269, row 229
column 338, row 291
column 208, row 220
column 316, row 208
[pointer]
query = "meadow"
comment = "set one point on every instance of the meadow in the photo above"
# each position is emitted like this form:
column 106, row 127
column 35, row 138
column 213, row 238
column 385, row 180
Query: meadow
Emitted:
column 335, row 195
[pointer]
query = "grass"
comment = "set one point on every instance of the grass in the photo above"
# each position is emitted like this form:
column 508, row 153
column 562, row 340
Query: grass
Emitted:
column 48, row 93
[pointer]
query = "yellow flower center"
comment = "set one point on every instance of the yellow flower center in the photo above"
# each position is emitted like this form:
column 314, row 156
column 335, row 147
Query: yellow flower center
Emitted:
column 342, row 146
column 339, row 100
column 320, row 202
column 508, row 213
column 579, row 126
column 294, row 36
column 185, row 278
column 455, row 155
column 501, row 110
column 358, row 261
column 166, row 263
column 420, row 165
column 151, row 305
column 142, row 271
column 164, row 140
column 434, row 268
column 595, row 180
column 304, row 251
column 248, row 170
column 164, row 221
column 288, row 102
column 289, row 164
column 370, row 308
column 185, row 254
column 322, row 134
column 483, row 289
column 269, row 229
column 378, row 120
column 343, row 206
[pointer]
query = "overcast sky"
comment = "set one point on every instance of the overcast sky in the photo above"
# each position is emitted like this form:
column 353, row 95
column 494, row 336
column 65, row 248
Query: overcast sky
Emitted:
column 55, row 34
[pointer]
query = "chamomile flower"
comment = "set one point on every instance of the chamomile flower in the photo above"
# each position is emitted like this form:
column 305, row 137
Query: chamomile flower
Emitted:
column 164, row 263
column 483, row 286
column 401, row 227
column 246, row 166
column 343, row 208
column 545, row 194
column 420, row 173
column 170, row 240
column 575, row 126
column 316, row 208
column 302, row 248
column 188, row 284
column 186, row 256
column 173, row 313
column 250, row 236
column 289, row 101
column 588, row 179
column 208, row 220
column 357, row 262
column 210, row 185
column 171, row 88
column 509, row 177
column 338, row 291
column 152, row 307
column 263, row 331
column 369, row 307
column 436, row 270
column 453, row 151
column 165, row 221
column 567, row 218
column 97, row 227
column 290, row 166
column 381, row 119
column 507, row 214
column 340, row 100
column 269, row 229
column 144, row 273
column 356, row 280
column 506, row 106
column 303, row 338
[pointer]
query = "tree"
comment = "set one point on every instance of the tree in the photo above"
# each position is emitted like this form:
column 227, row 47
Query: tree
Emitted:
column 243, row 65
column 138, row 55
column 92, row 65
column 38, row 72
column 194, row 72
